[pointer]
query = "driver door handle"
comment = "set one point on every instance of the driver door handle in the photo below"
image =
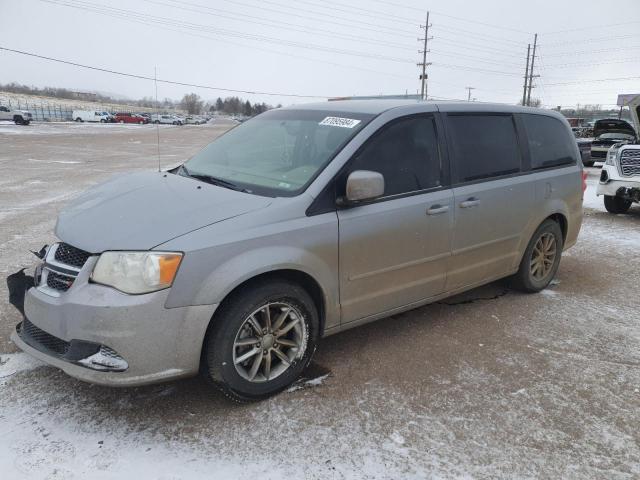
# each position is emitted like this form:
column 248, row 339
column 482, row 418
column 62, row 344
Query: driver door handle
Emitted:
column 437, row 209
column 470, row 202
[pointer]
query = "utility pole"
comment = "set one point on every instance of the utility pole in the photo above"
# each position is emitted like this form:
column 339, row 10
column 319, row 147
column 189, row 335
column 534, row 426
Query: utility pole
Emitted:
column 424, row 64
column 526, row 77
column 531, row 75
column 469, row 95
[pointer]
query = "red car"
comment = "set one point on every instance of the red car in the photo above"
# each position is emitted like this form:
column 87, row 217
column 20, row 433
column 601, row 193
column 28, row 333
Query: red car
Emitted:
column 122, row 117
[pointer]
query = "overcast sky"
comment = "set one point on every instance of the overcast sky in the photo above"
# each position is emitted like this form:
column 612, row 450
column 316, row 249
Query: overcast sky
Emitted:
column 327, row 47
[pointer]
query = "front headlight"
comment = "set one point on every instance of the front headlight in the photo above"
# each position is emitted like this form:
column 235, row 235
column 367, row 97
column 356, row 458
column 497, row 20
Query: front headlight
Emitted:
column 137, row 272
column 611, row 156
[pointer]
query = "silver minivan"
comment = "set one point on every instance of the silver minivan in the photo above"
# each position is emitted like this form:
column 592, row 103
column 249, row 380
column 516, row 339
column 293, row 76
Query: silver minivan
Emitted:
column 297, row 224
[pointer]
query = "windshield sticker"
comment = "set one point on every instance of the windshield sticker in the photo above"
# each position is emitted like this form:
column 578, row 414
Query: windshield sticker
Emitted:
column 340, row 122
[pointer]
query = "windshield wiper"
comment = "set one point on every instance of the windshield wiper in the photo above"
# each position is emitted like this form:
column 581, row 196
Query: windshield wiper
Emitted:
column 213, row 180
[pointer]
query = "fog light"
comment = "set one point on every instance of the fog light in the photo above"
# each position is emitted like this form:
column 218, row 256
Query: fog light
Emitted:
column 105, row 360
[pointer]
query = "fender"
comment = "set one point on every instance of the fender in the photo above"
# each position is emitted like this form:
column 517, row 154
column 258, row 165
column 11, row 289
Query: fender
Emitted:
column 234, row 271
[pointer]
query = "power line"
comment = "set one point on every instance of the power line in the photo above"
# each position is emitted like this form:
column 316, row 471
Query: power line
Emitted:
column 482, row 36
column 606, row 50
column 596, row 39
column 170, row 82
column 354, row 23
column 133, row 16
column 477, row 22
column 474, row 69
column 273, row 23
column 593, row 27
column 618, row 79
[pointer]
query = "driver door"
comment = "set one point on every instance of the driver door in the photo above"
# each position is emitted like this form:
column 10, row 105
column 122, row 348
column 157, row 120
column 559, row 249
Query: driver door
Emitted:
column 394, row 251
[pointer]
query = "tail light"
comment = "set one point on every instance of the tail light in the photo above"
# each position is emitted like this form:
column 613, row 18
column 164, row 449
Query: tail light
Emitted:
column 584, row 181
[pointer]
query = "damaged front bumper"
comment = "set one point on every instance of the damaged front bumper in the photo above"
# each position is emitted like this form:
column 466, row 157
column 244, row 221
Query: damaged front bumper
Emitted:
column 103, row 336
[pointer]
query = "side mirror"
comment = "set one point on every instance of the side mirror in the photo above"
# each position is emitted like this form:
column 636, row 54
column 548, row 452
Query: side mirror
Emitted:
column 364, row 185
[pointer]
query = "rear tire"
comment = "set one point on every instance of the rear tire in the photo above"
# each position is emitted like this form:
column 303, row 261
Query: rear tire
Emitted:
column 18, row 120
column 233, row 334
column 540, row 260
column 616, row 204
column 79, row 120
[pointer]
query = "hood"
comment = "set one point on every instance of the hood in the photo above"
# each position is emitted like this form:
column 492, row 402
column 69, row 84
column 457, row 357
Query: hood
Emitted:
column 612, row 125
column 634, row 109
column 142, row 210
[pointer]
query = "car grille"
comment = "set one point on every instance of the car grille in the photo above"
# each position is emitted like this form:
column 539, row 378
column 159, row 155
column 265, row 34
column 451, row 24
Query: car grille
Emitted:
column 630, row 162
column 70, row 255
column 61, row 266
column 42, row 340
column 58, row 281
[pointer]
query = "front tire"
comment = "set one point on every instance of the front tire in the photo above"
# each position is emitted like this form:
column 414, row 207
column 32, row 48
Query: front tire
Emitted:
column 261, row 340
column 616, row 204
column 541, row 259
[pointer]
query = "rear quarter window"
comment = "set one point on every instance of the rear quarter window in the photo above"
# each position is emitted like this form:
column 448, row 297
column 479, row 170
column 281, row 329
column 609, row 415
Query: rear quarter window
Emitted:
column 550, row 142
column 484, row 146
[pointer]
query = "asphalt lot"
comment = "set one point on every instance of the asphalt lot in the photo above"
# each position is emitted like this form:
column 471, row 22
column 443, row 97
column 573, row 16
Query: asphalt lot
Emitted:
column 504, row 385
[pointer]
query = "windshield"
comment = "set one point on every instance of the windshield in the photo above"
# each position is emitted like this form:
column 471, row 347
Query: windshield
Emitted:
column 622, row 136
column 279, row 152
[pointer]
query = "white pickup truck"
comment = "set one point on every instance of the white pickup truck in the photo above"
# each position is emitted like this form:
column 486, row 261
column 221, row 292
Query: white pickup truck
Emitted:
column 620, row 176
column 19, row 117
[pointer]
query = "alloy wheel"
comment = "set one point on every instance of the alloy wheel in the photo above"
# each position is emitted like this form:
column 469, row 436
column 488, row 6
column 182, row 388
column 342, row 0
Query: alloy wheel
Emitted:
column 543, row 256
column 269, row 341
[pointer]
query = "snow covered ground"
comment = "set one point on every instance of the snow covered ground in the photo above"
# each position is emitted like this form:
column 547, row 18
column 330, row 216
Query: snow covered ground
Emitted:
column 507, row 386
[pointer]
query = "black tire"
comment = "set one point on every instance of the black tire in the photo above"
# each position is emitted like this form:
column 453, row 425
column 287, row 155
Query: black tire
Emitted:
column 79, row 120
column 524, row 280
column 616, row 204
column 102, row 120
column 156, row 121
column 218, row 349
column 18, row 120
column 26, row 122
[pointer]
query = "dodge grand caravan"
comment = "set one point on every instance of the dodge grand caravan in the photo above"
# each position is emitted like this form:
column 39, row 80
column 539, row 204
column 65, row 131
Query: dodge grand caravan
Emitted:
column 297, row 224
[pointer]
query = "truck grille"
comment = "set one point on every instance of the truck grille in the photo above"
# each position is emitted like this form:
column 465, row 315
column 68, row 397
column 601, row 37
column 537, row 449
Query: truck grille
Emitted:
column 42, row 340
column 70, row 255
column 630, row 162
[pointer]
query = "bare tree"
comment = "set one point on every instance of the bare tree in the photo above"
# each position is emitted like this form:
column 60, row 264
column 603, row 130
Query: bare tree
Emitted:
column 192, row 103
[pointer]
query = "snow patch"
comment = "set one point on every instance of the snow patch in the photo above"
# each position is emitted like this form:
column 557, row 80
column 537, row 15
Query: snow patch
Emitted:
column 302, row 384
column 12, row 363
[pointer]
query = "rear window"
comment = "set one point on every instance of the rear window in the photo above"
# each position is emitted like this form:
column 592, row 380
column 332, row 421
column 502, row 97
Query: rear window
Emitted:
column 484, row 146
column 549, row 141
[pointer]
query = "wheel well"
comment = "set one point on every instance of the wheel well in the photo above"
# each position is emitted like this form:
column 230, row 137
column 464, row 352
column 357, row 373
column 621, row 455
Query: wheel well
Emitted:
column 560, row 220
column 305, row 280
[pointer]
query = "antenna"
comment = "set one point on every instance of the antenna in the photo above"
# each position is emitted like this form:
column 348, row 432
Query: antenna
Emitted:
column 157, row 120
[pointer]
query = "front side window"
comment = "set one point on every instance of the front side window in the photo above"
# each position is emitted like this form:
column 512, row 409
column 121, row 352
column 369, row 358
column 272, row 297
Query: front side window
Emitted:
column 277, row 153
column 484, row 146
column 406, row 153
column 549, row 141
